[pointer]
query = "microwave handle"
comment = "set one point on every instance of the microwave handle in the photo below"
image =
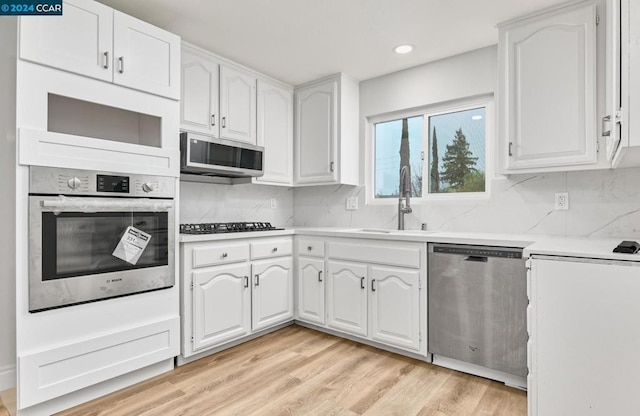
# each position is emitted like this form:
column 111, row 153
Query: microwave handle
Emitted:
column 96, row 205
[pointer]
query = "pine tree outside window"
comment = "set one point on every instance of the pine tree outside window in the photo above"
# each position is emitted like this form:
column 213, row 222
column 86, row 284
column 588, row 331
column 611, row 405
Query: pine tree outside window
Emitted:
column 445, row 149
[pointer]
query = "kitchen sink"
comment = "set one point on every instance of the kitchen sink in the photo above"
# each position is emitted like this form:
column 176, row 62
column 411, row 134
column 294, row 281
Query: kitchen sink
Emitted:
column 389, row 232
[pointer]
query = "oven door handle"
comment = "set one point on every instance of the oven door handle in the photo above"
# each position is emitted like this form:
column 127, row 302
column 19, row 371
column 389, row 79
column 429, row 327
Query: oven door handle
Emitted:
column 97, row 205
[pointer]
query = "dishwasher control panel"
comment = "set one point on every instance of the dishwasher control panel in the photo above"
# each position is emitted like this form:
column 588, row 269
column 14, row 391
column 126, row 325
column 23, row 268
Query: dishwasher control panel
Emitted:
column 479, row 251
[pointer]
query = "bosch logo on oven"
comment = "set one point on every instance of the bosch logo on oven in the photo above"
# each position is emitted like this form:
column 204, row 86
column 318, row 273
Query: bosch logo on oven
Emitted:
column 114, row 280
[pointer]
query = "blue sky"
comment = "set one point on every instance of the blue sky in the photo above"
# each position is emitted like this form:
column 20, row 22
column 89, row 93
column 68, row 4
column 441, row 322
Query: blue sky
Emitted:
column 388, row 136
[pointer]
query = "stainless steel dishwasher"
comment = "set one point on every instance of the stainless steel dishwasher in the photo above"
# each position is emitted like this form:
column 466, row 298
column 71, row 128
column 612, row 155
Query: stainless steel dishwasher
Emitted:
column 478, row 306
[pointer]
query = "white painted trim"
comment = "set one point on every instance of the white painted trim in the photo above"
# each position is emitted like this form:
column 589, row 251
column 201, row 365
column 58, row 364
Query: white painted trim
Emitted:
column 44, row 148
column 95, row 360
column 93, row 392
column 483, row 100
column 7, row 377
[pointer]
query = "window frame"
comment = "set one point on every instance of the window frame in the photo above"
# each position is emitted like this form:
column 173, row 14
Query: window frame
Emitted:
column 426, row 112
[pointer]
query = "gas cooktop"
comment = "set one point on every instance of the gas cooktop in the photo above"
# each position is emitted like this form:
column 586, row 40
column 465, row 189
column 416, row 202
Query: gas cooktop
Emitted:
column 226, row 227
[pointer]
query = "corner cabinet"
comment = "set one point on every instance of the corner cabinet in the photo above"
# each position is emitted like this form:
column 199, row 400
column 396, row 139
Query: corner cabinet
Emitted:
column 583, row 336
column 97, row 41
column 234, row 289
column 311, row 278
column 551, row 77
column 326, row 132
column 217, row 98
column 275, row 133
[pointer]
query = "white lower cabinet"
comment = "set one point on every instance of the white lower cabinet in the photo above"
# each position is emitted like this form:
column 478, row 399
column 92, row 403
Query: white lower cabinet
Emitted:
column 311, row 290
column 221, row 305
column 395, row 306
column 374, row 289
column 234, row 289
column 347, row 297
column 583, row 337
column 272, row 292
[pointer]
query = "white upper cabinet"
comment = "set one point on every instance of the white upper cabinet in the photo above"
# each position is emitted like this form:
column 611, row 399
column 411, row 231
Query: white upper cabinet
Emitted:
column 217, row 99
column 79, row 41
column 548, row 67
column 623, row 145
column 237, row 105
column 145, row 57
column 199, row 103
column 275, row 132
column 326, row 133
column 94, row 40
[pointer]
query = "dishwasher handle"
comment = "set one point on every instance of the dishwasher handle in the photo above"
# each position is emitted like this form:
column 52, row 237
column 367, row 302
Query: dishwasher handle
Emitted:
column 479, row 259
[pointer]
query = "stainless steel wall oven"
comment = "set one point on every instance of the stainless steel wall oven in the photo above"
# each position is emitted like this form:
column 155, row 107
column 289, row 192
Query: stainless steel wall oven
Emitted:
column 94, row 236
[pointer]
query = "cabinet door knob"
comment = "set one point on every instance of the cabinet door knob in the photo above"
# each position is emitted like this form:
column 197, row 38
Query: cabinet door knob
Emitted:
column 257, row 280
column 246, row 281
column 274, row 249
column 373, row 288
column 106, row 60
column 121, row 62
column 224, row 255
column 331, row 166
column 320, row 276
column 309, row 248
column 510, row 148
column 362, row 282
column 224, row 122
column 213, row 119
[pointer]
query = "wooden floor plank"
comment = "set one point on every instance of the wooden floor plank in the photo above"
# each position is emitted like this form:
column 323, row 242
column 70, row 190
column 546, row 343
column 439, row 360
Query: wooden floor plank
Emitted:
column 459, row 395
column 409, row 395
column 298, row 371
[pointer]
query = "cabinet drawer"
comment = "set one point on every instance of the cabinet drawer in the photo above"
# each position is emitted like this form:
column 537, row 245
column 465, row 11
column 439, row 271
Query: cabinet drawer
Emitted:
column 220, row 254
column 271, row 248
column 404, row 255
column 310, row 247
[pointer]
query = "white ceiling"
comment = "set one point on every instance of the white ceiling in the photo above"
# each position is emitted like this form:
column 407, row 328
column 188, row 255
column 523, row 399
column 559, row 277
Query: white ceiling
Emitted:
column 297, row 41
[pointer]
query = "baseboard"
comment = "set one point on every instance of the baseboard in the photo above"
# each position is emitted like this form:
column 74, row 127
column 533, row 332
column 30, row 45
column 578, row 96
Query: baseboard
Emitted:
column 7, row 377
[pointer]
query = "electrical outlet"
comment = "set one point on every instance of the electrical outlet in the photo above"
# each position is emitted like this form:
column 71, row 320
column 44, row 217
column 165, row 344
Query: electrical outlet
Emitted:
column 562, row 201
column 274, row 203
column 352, row 203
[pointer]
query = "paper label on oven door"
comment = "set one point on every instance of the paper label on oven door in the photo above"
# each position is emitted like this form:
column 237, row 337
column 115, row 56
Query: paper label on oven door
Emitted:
column 132, row 245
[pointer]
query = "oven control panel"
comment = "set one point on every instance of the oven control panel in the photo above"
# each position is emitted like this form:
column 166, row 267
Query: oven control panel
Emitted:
column 110, row 183
column 60, row 181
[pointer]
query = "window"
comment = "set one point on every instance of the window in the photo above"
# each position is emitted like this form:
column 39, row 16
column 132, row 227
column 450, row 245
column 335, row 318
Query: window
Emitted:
column 445, row 150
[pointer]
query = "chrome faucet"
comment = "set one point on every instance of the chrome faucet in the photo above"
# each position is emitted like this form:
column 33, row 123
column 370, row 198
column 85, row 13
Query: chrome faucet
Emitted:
column 404, row 196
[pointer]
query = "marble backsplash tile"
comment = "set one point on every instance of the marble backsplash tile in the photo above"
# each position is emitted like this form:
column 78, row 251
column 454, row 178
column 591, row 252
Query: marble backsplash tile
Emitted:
column 204, row 202
column 602, row 203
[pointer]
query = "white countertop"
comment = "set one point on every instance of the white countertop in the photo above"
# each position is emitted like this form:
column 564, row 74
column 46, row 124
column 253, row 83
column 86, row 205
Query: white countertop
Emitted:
column 594, row 248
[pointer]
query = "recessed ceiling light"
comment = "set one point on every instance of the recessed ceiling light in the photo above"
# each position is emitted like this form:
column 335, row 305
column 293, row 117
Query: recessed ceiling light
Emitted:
column 403, row 49
column 477, row 117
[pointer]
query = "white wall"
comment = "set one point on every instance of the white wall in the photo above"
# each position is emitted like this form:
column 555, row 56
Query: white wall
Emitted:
column 7, row 202
column 602, row 203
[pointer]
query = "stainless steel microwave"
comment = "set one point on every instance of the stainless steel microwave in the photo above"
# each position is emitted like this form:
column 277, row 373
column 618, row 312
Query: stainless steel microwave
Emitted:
column 205, row 155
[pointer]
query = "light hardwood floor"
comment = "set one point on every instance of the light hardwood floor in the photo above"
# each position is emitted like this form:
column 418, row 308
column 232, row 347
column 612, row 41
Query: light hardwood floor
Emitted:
column 298, row 371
